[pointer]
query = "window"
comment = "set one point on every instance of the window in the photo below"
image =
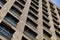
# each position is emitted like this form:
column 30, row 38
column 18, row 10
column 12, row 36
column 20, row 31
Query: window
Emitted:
column 56, row 27
column 35, row 2
column 46, row 33
column 55, row 21
column 23, row 38
column 12, row 20
column 15, row 11
column 19, row 5
column 32, row 15
column 53, row 13
column 44, row 9
column 30, row 33
column 6, row 31
column 44, row 18
column 32, row 9
column 45, row 25
column 57, row 34
column 2, row 2
column 34, row 5
column 31, row 23
column 45, row 13
column 51, row 4
column 54, row 17
column 44, row 6
column 44, row 1
column 52, row 8
column 22, row 1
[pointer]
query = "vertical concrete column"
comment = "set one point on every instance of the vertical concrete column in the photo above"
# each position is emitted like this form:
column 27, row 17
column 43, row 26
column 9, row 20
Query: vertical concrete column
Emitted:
column 40, row 20
column 52, row 29
column 5, row 9
column 20, row 26
column 57, row 17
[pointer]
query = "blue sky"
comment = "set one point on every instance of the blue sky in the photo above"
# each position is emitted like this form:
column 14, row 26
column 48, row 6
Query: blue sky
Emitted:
column 57, row 2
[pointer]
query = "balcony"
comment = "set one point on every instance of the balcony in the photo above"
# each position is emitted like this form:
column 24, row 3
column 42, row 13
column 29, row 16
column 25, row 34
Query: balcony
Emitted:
column 44, row 5
column 55, row 22
column 53, row 12
column 32, row 28
column 6, row 31
column 44, row 1
column 32, row 19
column 32, row 9
column 14, row 15
column 51, row 4
column 23, row 38
column 19, row 5
column 31, row 23
column 34, row 5
column 35, row 2
column 47, row 34
column 45, row 18
column 33, row 13
column 30, row 33
column 58, row 34
column 32, row 16
column 47, row 38
column 44, row 13
column 52, row 8
column 2, row 2
column 46, row 25
column 54, row 17
column 45, row 9
column 22, row 1
column 15, row 11
column 10, row 19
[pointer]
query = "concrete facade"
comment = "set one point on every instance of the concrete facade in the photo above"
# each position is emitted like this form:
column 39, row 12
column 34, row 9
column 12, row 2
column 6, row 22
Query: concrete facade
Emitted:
column 29, row 20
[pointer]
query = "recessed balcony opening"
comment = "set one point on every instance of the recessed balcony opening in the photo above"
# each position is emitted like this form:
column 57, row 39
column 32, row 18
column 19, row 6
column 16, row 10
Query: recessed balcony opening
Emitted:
column 30, row 33
column 35, row 2
column 31, row 23
column 2, row 2
column 23, row 38
column 32, row 9
column 22, row 1
column 46, row 33
column 15, row 11
column 32, row 15
column 11, row 19
column 19, row 5
column 6, row 30
column 34, row 5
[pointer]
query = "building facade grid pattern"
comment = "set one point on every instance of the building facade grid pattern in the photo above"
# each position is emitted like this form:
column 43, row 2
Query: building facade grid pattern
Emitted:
column 29, row 20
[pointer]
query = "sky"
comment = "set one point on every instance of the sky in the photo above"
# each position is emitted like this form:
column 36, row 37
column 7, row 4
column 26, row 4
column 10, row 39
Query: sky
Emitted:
column 57, row 2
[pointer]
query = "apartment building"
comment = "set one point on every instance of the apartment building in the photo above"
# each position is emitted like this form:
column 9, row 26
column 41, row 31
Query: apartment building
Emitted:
column 29, row 20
